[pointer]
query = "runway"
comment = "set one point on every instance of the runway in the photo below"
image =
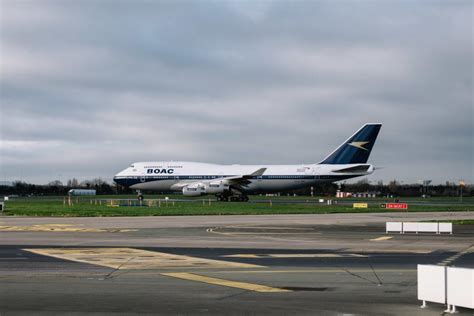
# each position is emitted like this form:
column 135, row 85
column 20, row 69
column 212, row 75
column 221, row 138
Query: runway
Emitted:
column 328, row 264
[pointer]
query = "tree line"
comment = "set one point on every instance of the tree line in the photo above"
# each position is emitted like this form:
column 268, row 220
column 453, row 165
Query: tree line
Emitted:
column 57, row 187
column 393, row 188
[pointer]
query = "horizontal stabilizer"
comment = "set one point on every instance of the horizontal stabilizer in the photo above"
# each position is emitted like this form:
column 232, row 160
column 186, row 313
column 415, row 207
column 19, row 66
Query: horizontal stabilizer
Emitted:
column 355, row 169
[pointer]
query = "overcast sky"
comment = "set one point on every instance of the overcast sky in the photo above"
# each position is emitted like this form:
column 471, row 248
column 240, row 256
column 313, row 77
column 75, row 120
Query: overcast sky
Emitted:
column 88, row 87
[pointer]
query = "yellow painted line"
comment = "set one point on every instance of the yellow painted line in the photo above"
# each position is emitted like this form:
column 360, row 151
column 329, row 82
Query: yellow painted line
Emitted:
column 60, row 228
column 228, row 283
column 381, row 238
column 296, row 255
column 55, row 225
column 135, row 259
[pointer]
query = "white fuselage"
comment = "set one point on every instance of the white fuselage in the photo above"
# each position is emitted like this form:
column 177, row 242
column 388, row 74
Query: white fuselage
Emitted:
column 349, row 160
column 172, row 176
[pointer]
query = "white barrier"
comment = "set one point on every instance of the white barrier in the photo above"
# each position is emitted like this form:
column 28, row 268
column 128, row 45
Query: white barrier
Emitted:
column 420, row 227
column 439, row 284
column 431, row 284
column 410, row 227
column 460, row 288
column 417, row 227
column 445, row 228
column 394, row 227
column 428, row 227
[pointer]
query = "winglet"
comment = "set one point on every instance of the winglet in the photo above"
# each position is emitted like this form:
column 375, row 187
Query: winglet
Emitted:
column 259, row 172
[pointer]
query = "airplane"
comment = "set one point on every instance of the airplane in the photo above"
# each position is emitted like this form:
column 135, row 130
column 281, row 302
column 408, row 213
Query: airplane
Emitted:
column 235, row 182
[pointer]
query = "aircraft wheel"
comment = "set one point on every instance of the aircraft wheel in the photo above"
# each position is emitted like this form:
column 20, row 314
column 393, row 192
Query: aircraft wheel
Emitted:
column 222, row 198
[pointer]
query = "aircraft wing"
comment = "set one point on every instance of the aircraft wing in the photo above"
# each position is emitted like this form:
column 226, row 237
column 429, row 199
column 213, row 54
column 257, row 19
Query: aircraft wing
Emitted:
column 242, row 180
column 237, row 181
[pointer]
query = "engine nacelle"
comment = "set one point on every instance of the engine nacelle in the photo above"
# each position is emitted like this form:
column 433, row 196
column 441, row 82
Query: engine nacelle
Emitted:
column 195, row 189
column 216, row 187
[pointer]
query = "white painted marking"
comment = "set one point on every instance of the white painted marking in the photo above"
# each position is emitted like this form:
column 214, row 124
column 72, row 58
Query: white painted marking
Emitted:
column 456, row 256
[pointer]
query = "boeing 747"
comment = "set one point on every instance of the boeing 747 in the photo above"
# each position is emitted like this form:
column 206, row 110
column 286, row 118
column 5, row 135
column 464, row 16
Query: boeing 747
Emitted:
column 235, row 182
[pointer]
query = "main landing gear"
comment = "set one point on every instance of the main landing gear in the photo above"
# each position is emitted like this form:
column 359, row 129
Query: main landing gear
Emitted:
column 232, row 196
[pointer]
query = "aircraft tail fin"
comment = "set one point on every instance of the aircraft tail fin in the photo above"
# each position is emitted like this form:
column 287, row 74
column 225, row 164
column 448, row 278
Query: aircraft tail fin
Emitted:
column 357, row 148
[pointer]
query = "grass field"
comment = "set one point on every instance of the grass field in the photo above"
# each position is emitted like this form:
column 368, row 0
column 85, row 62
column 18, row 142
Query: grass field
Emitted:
column 457, row 221
column 463, row 222
column 89, row 206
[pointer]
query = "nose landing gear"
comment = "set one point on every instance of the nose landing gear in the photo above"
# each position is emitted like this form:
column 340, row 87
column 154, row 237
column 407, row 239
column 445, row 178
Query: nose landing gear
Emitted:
column 140, row 196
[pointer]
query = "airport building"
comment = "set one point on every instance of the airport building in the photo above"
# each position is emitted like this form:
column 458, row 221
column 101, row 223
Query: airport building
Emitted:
column 341, row 194
column 81, row 192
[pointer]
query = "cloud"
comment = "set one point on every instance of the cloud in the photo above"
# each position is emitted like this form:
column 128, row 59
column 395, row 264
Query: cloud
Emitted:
column 89, row 87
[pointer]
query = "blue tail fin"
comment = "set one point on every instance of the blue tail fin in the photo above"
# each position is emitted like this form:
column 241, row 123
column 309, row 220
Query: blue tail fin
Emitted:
column 357, row 148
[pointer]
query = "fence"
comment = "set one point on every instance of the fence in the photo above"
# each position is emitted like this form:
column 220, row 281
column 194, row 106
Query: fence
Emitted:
column 137, row 202
column 417, row 227
column 446, row 285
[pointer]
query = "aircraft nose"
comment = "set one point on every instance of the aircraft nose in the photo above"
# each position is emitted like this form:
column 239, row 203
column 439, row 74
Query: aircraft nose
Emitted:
column 117, row 179
column 120, row 180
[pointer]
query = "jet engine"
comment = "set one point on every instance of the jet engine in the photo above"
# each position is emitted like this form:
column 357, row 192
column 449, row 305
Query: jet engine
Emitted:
column 197, row 189
column 194, row 189
column 216, row 187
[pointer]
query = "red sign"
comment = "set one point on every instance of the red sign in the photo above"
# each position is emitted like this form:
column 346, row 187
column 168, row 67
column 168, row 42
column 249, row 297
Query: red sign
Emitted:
column 397, row 206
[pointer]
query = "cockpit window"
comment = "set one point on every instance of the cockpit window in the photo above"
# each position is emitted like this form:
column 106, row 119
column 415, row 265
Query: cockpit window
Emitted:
column 133, row 166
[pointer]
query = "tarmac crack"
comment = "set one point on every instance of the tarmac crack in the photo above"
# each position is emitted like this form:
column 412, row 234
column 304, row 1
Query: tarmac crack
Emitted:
column 361, row 277
column 379, row 281
column 375, row 273
column 233, row 295
column 110, row 275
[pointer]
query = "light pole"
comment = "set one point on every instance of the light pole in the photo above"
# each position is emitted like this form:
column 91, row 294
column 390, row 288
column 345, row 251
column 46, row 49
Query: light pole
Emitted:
column 461, row 185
